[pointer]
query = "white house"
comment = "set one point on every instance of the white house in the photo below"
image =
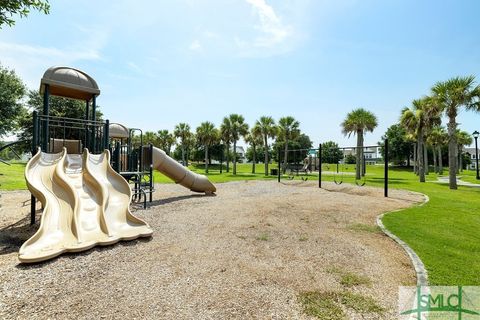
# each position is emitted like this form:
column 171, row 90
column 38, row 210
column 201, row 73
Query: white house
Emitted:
column 472, row 154
column 241, row 154
column 371, row 154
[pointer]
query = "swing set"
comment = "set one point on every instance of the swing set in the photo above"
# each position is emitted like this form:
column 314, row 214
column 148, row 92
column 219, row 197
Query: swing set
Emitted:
column 303, row 162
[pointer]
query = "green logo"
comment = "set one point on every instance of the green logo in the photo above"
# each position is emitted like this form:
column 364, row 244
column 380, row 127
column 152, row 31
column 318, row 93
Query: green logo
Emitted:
column 437, row 302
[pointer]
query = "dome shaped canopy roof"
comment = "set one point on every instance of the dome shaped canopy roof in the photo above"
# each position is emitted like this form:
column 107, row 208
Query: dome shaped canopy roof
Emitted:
column 70, row 83
column 119, row 131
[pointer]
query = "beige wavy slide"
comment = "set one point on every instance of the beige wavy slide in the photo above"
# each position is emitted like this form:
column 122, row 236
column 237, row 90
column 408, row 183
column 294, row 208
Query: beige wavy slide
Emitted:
column 85, row 203
column 181, row 175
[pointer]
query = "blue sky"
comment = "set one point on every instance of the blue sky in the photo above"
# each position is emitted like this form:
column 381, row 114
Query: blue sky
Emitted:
column 159, row 63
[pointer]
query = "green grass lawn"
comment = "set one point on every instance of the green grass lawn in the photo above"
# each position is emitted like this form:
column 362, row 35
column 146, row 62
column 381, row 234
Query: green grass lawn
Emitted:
column 12, row 176
column 444, row 232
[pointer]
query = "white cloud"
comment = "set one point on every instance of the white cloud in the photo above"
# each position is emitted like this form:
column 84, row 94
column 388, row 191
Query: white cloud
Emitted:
column 195, row 45
column 269, row 35
column 273, row 31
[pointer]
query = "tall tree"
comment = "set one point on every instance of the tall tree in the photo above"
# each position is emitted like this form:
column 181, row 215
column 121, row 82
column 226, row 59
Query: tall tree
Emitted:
column 288, row 129
column 437, row 138
column 239, row 129
column 399, row 146
column 358, row 122
column 226, row 136
column 254, row 139
column 331, row 153
column 12, row 90
column 207, row 135
column 452, row 95
column 463, row 139
column 182, row 132
column 419, row 119
column 265, row 126
column 9, row 8
column 165, row 140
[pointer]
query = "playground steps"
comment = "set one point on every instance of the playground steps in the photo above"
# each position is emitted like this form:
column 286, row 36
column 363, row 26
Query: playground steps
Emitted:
column 86, row 203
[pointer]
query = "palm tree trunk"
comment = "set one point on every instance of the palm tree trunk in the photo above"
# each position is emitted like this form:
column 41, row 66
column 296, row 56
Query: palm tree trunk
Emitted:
column 265, row 145
column 435, row 167
column 359, row 160
column 206, row 158
column 228, row 157
column 421, row 168
column 425, row 156
column 285, row 155
column 415, row 158
column 254, row 158
column 234, row 157
column 452, row 153
column 440, row 160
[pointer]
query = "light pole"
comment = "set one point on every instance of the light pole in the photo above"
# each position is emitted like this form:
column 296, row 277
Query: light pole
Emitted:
column 475, row 135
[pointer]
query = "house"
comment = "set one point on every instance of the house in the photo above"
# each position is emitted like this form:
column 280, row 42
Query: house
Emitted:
column 472, row 154
column 241, row 156
column 371, row 154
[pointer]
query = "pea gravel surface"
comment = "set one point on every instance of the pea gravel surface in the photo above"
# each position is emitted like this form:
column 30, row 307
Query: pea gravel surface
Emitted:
column 246, row 253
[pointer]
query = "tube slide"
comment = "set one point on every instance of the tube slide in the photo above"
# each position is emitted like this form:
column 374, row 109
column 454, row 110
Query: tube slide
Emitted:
column 180, row 174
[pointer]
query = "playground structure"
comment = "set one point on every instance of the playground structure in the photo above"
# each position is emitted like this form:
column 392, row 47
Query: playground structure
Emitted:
column 306, row 163
column 152, row 157
column 85, row 193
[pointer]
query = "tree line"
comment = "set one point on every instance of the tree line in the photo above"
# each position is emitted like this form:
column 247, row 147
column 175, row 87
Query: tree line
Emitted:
column 264, row 138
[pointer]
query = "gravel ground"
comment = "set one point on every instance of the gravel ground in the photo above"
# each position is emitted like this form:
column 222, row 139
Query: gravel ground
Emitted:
column 245, row 253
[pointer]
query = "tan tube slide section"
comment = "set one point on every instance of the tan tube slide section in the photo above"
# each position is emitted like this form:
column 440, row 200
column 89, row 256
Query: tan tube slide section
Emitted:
column 181, row 175
column 86, row 203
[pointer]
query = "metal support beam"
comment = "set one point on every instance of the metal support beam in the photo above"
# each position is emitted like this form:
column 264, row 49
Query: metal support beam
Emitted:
column 46, row 106
column 94, row 118
column 385, row 193
column 320, row 165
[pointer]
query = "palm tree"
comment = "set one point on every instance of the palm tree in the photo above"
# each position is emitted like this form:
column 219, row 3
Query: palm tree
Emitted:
column 451, row 95
column 463, row 139
column 421, row 118
column 265, row 126
column 165, row 140
column 182, row 132
column 226, row 135
column 412, row 138
column 207, row 135
column 358, row 122
column 287, row 130
column 238, row 129
column 150, row 137
column 436, row 139
column 254, row 139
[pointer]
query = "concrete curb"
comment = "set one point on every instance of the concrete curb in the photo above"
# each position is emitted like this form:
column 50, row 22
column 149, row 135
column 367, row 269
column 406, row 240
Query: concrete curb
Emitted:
column 422, row 276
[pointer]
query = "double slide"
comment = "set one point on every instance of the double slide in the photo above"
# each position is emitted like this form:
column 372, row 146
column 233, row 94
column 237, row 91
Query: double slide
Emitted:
column 86, row 203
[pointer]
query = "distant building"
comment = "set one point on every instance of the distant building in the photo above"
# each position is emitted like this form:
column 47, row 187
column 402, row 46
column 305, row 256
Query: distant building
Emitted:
column 240, row 151
column 471, row 153
column 371, row 154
